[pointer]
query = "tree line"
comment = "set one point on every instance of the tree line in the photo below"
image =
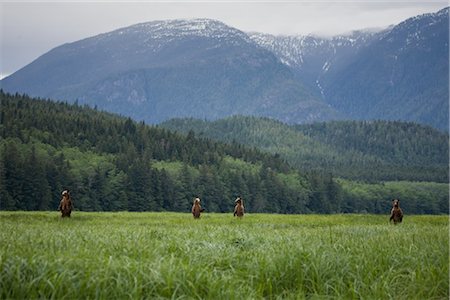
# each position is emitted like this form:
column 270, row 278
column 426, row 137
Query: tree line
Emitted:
column 111, row 163
column 114, row 163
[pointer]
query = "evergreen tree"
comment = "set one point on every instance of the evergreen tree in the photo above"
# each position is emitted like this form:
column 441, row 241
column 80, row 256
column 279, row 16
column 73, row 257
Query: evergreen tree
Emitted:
column 113, row 163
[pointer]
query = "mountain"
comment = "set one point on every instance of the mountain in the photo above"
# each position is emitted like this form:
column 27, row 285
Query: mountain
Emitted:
column 400, row 73
column 313, row 58
column 164, row 69
column 357, row 150
column 402, row 76
column 205, row 69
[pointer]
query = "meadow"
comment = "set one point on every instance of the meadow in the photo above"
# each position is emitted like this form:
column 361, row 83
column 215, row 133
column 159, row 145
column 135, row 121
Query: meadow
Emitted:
column 170, row 255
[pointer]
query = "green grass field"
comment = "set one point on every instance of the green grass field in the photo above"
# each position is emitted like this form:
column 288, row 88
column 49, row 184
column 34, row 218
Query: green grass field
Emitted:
column 171, row 255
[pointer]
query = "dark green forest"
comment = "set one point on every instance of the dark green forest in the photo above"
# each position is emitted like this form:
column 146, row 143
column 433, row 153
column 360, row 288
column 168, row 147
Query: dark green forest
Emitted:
column 112, row 163
column 358, row 150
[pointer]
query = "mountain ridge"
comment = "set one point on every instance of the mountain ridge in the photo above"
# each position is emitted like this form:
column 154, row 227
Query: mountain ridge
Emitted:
column 203, row 68
column 400, row 73
column 188, row 75
column 408, row 70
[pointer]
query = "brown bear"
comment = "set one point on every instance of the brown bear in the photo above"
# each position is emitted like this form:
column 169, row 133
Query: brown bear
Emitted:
column 239, row 207
column 197, row 208
column 65, row 206
column 396, row 212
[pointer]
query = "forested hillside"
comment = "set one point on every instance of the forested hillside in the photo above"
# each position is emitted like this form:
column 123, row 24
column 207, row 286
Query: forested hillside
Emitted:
column 112, row 163
column 358, row 150
column 384, row 150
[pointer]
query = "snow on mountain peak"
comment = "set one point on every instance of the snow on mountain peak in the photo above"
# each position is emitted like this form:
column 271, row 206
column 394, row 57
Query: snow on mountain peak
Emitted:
column 153, row 36
column 292, row 50
column 183, row 28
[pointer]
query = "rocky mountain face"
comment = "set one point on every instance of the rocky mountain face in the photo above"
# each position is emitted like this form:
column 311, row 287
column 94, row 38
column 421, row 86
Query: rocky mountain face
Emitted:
column 313, row 58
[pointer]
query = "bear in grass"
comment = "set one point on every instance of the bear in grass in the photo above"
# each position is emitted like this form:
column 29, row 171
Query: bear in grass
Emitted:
column 197, row 208
column 65, row 205
column 239, row 207
column 396, row 212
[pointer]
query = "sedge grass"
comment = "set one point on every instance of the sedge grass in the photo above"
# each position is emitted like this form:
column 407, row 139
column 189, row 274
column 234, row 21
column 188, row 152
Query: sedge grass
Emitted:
column 171, row 255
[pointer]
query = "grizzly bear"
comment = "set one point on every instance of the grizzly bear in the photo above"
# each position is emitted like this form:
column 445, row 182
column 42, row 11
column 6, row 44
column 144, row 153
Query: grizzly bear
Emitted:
column 239, row 207
column 65, row 206
column 197, row 208
column 396, row 212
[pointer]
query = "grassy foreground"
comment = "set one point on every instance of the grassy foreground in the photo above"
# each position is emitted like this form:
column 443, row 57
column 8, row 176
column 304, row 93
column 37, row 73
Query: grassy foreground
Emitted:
column 171, row 255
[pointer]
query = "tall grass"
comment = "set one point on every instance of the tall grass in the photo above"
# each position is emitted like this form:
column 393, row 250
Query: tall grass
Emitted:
column 171, row 255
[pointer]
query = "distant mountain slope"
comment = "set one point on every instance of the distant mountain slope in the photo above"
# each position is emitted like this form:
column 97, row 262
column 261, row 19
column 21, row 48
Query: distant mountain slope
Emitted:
column 313, row 59
column 401, row 73
column 402, row 76
column 164, row 69
column 357, row 150
column 205, row 69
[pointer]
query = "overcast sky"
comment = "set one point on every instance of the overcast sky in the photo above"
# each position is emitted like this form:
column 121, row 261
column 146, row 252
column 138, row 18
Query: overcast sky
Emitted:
column 28, row 29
